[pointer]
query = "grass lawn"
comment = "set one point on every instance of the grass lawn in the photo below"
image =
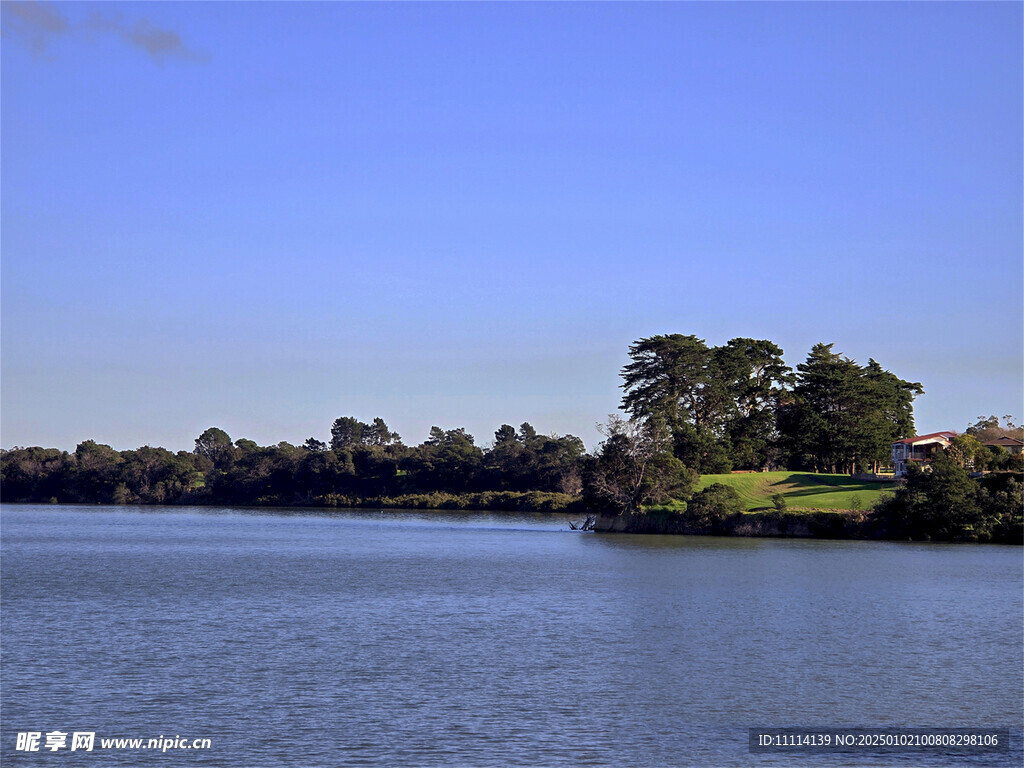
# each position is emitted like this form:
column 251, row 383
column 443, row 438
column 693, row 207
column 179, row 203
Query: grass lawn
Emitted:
column 801, row 489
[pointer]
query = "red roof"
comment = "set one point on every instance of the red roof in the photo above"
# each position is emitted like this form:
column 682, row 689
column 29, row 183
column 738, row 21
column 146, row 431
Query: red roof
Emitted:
column 922, row 438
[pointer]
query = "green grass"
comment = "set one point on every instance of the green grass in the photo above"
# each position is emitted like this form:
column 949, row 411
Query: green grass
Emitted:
column 802, row 490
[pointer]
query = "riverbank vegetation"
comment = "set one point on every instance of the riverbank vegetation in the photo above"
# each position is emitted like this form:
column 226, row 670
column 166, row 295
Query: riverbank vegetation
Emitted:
column 722, row 439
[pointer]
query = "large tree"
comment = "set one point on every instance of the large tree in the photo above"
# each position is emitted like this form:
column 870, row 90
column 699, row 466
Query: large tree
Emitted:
column 843, row 415
column 756, row 378
column 888, row 414
column 718, row 402
column 673, row 379
column 670, row 378
column 828, row 396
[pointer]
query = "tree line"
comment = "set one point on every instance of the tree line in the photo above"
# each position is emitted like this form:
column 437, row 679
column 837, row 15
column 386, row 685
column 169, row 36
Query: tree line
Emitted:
column 362, row 461
column 689, row 409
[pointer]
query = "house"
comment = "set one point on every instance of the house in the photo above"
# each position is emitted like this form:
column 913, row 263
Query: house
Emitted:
column 918, row 450
column 1011, row 444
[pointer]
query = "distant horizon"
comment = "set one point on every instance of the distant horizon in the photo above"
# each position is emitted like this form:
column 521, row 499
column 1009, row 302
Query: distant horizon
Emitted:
column 265, row 216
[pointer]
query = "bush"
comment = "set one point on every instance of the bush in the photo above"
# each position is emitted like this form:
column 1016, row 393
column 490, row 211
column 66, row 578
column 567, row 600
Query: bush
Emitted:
column 779, row 502
column 712, row 505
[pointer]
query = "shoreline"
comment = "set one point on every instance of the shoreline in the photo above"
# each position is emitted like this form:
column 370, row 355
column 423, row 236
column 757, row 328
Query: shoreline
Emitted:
column 837, row 525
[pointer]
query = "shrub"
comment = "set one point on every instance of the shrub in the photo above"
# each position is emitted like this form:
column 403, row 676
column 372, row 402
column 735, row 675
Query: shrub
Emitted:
column 712, row 505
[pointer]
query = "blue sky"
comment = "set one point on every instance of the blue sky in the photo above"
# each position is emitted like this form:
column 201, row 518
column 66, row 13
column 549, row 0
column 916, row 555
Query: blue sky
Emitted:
column 263, row 216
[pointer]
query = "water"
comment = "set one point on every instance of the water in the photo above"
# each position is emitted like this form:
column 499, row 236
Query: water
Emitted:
column 355, row 638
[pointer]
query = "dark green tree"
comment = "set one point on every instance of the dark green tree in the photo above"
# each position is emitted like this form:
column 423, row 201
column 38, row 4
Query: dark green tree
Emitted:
column 314, row 446
column 843, row 416
column 530, row 462
column 669, row 378
column 346, row 432
column 156, row 476
column 941, row 503
column 719, row 403
column 215, row 446
column 756, row 378
column 505, row 461
column 827, row 401
column 95, row 472
column 35, row 474
column 886, row 415
column 379, row 434
column 675, row 379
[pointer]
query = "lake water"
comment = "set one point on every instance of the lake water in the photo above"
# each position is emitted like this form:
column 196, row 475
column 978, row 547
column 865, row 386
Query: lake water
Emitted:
column 355, row 638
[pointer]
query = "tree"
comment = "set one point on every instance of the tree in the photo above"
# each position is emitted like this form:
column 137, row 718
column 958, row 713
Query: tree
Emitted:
column 888, row 414
column 719, row 403
column 245, row 445
column 314, row 446
column 756, row 377
column 990, row 428
column 96, row 472
column 635, row 466
column 950, row 497
column 530, row 462
column 673, row 379
column 504, row 462
column 155, row 475
column 346, row 432
column 842, row 415
column 941, row 503
column 527, row 434
column 668, row 378
column 968, row 453
column 699, row 448
column 34, row 474
column 505, row 435
column 378, row 433
column 215, row 444
column 446, row 461
column 558, row 464
column 827, row 398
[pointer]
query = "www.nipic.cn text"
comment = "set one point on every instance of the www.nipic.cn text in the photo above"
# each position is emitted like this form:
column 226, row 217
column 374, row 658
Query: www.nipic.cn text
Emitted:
column 86, row 741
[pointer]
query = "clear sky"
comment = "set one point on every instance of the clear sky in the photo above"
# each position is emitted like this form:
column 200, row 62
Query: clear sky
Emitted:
column 263, row 216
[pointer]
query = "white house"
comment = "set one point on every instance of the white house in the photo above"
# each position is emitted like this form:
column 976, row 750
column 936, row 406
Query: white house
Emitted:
column 918, row 449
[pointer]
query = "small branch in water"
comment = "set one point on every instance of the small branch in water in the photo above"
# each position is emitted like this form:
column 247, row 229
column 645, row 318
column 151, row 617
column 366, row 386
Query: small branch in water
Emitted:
column 584, row 525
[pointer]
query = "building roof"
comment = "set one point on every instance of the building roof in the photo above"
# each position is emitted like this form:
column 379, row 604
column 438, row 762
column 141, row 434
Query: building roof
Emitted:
column 1004, row 440
column 925, row 438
